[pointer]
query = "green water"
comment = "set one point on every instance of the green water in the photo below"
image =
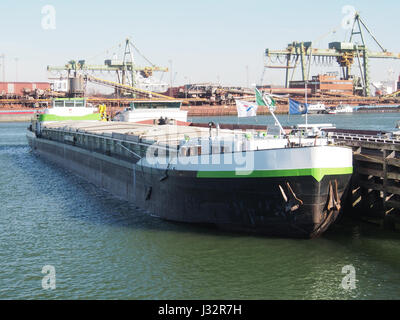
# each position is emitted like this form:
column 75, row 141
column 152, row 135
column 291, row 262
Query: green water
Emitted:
column 104, row 248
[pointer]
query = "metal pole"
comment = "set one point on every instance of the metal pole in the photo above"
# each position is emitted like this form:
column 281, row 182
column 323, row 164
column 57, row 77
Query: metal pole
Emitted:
column 133, row 73
column 170, row 76
column 306, row 106
column 186, row 87
column 366, row 72
column 302, row 56
column 309, row 63
column 287, row 71
column 373, row 37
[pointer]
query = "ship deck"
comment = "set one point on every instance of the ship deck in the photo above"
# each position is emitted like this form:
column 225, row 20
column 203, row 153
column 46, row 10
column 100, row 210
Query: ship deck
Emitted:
column 161, row 134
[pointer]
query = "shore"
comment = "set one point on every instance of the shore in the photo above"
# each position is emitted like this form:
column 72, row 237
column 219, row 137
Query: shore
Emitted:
column 16, row 115
column 24, row 114
column 226, row 110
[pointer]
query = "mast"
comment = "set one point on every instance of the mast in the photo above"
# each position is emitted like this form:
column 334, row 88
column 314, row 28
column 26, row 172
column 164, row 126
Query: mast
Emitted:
column 306, row 107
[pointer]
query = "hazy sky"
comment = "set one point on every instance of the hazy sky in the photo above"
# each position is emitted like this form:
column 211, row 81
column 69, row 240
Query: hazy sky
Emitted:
column 206, row 40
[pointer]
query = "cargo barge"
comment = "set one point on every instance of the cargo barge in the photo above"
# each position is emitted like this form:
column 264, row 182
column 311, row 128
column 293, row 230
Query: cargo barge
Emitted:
column 256, row 181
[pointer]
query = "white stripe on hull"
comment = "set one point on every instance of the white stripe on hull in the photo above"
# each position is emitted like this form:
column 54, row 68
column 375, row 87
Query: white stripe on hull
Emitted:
column 273, row 159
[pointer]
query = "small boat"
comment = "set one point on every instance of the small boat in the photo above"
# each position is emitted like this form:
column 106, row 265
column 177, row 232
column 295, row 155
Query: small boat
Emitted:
column 341, row 109
column 395, row 134
column 318, row 108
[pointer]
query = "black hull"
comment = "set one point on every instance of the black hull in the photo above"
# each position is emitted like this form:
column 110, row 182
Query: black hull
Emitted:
column 296, row 207
column 254, row 205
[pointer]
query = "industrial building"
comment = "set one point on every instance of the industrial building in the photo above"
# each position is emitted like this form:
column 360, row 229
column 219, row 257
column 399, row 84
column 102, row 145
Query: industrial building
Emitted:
column 20, row 89
column 325, row 83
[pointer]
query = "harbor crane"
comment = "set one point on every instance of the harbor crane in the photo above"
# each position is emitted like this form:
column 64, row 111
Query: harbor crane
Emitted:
column 126, row 69
column 345, row 54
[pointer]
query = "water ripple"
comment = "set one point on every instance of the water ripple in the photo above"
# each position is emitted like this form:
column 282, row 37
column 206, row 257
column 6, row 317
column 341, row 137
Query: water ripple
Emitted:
column 105, row 248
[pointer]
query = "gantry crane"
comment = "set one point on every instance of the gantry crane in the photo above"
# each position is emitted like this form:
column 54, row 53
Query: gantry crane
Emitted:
column 126, row 69
column 345, row 54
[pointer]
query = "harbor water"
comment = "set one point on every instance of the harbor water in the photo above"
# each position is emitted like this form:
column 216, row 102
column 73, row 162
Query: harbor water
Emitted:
column 104, row 248
column 362, row 121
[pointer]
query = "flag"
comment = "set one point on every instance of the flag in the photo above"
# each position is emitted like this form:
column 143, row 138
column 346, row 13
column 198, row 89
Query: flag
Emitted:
column 297, row 107
column 266, row 101
column 259, row 99
column 246, row 109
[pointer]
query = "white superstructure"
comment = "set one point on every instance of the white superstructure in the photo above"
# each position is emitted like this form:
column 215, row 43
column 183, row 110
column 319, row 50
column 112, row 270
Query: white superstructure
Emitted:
column 341, row 109
column 316, row 108
column 70, row 107
column 152, row 110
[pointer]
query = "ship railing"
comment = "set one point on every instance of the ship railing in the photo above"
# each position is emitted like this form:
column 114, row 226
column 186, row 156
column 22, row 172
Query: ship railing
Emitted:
column 135, row 148
column 107, row 140
column 77, row 137
column 365, row 138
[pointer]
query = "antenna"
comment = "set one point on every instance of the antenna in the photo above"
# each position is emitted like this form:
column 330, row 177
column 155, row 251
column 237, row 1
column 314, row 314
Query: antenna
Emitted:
column 170, row 75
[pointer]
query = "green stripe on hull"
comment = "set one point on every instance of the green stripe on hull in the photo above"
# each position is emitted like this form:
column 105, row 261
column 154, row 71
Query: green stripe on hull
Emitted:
column 317, row 173
column 53, row 117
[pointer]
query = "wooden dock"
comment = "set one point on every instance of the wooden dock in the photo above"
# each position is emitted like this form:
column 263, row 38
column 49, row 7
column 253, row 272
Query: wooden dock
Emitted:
column 374, row 191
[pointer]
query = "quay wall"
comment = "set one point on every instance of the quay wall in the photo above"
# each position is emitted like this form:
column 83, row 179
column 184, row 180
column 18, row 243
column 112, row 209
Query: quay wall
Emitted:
column 374, row 190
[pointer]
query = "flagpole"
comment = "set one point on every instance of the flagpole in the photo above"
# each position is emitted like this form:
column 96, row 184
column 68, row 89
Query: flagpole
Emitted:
column 306, row 107
column 276, row 119
column 272, row 113
column 288, row 115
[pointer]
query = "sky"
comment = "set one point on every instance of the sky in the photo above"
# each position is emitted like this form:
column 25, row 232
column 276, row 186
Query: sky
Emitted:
column 204, row 41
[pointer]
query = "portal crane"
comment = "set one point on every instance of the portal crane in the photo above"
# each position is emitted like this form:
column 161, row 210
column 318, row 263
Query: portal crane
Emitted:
column 345, row 54
column 126, row 69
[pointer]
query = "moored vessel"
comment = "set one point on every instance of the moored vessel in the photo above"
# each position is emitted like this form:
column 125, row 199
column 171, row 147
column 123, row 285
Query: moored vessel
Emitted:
column 341, row 108
column 318, row 108
column 267, row 180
